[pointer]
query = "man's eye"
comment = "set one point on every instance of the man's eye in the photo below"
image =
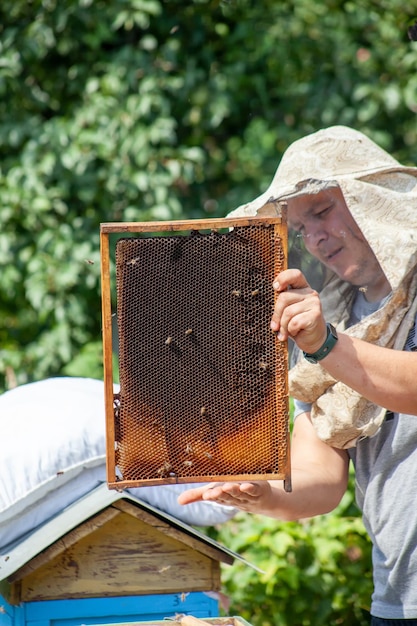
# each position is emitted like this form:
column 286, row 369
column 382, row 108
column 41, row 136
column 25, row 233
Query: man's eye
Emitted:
column 324, row 211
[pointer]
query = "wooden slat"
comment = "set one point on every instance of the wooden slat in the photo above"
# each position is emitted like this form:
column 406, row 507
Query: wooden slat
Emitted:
column 185, row 225
column 123, row 557
column 107, row 355
column 68, row 540
column 189, row 620
column 281, row 232
column 175, row 533
column 178, row 480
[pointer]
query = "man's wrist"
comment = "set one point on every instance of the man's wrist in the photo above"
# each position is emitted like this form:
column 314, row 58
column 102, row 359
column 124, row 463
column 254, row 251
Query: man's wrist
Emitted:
column 328, row 345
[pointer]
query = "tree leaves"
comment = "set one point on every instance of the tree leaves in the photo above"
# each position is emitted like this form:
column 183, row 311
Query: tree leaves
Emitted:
column 143, row 109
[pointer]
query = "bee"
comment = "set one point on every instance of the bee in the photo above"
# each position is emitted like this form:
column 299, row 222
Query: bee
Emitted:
column 89, row 261
column 203, row 410
column 188, row 449
column 363, row 289
column 168, row 341
column 132, row 262
column 255, row 292
column 189, row 331
column 187, row 463
column 264, row 366
column 164, row 469
column 164, row 569
column 237, row 293
column 208, row 455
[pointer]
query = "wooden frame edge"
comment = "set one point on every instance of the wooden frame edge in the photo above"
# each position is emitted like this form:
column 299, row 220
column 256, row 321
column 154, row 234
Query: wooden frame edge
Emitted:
column 107, row 356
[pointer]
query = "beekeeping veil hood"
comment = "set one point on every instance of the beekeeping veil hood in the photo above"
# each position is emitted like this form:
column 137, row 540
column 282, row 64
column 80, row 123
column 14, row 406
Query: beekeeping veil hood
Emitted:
column 381, row 195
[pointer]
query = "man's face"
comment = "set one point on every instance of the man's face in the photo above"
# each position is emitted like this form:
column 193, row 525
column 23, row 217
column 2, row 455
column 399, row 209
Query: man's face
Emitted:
column 331, row 234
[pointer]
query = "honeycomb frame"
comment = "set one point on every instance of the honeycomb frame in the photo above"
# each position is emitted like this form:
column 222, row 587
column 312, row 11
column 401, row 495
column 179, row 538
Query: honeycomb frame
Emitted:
column 203, row 380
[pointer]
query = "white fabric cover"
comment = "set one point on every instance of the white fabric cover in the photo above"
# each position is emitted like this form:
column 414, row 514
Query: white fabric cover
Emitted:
column 52, row 437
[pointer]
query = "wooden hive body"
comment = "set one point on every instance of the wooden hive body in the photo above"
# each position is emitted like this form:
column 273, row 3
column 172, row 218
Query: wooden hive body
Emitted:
column 120, row 551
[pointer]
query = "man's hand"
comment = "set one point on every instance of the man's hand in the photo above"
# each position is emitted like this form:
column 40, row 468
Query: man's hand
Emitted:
column 246, row 496
column 298, row 313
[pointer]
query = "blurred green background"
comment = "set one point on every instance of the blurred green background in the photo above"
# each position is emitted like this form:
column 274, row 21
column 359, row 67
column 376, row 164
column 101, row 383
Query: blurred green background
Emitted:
column 130, row 110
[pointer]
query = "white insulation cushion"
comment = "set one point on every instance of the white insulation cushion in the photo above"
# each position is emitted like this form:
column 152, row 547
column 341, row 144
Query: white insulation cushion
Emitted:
column 50, row 431
column 52, row 436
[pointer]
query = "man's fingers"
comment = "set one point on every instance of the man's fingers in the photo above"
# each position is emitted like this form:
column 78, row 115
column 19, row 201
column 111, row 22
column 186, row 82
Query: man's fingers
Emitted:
column 192, row 495
column 287, row 284
column 290, row 304
column 208, row 491
column 290, row 279
column 225, row 493
column 295, row 297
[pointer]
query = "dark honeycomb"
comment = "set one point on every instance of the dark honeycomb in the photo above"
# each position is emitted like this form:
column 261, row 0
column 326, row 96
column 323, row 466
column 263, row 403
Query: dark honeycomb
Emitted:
column 203, row 380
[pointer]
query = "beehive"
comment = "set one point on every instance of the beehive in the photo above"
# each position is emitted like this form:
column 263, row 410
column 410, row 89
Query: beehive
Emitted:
column 107, row 558
column 203, row 380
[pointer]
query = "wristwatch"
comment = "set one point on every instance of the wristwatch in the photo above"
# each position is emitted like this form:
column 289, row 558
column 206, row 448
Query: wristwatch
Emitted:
column 328, row 345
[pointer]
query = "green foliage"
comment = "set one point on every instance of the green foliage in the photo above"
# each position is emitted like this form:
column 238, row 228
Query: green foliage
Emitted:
column 317, row 571
column 147, row 109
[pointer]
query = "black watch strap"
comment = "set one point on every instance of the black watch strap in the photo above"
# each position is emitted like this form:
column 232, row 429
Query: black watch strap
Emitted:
column 324, row 350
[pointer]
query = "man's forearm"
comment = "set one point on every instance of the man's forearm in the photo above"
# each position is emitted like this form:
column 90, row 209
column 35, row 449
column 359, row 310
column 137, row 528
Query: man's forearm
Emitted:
column 310, row 496
column 383, row 376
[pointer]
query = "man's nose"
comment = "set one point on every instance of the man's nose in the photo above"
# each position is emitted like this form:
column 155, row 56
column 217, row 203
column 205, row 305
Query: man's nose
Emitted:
column 313, row 236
